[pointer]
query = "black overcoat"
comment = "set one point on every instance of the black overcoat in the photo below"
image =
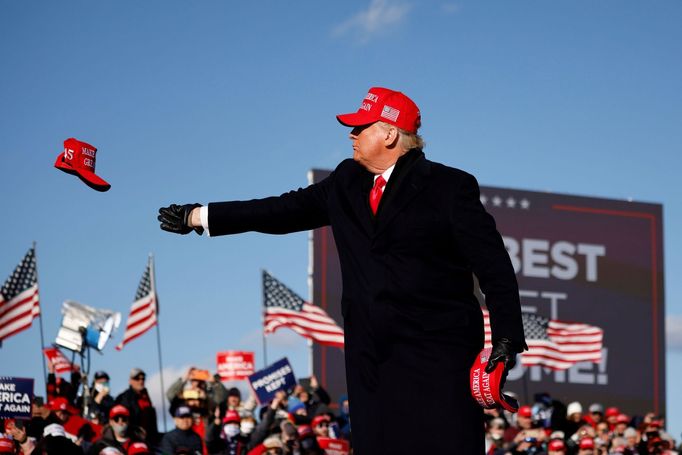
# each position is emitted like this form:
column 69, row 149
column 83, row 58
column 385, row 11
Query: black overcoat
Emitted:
column 412, row 323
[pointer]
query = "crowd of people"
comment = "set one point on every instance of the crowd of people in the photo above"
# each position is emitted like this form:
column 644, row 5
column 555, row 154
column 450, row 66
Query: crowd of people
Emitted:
column 211, row 419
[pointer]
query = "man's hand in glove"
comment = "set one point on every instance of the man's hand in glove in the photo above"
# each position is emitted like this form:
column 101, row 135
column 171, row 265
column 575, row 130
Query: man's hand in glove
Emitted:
column 177, row 219
column 504, row 352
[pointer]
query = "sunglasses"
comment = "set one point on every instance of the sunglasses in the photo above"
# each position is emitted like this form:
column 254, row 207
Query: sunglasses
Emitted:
column 139, row 378
column 323, row 424
column 119, row 419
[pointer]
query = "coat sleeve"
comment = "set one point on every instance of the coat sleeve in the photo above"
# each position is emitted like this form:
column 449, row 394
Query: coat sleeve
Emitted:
column 299, row 210
column 477, row 237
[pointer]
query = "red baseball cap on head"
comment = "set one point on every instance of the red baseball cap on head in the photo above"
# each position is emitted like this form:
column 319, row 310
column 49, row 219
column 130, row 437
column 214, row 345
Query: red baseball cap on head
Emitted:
column 386, row 105
column 138, row 448
column 622, row 418
column 319, row 419
column 60, row 404
column 6, row 445
column 556, row 444
column 586, row 443
column 525, row 411
column 612, row 412
column 232, row 416
column 78, row 159
column 119, row 410
column 304, row 431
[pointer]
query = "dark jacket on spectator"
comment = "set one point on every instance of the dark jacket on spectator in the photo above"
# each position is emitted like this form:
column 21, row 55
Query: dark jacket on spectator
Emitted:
column 139, row 416
column 180, row 439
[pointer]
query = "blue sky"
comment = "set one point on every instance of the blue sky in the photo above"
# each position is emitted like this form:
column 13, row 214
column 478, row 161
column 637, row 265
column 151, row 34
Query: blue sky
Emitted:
column 206, row 101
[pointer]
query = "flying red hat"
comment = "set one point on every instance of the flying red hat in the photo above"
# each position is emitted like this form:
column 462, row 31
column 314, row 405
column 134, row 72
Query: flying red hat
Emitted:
column 386, row 105
column 487, row 388
column 78, row 159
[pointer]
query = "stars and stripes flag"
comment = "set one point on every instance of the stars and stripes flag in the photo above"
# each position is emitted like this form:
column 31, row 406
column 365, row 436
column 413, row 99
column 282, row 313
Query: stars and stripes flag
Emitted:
column 284, row 308
column 556, row 344
column 145, row 309
column 19, row 301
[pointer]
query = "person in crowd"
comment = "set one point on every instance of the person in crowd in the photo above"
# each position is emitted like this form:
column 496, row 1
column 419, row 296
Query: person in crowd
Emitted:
column 595, row 414
column 494, row 441
column 6, row 445
column 59, row 387
column 320, row 425
column 182, row 438
column 344, row 418
column 312, row 398
column 56, row 441
column 224, row 437
column 524, row 421
column 574, row 418
column 611, row 415
column 139, row 448
column 20, row 441
column 289, row 436
column 118, row 433
column 75, row 426
column 235, row 403
column 632, row 438
column 199, row 387
column 586, row 446
column 101, row 400
column 308, row 441
column 136, row 399
column 247, row 425
column 272, row 446
column 41, row 416
column 622, row 422
column 556, row 447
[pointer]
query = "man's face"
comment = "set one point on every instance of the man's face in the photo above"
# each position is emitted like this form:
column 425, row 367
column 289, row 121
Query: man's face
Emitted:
column 369, row 148
column 233, row 401
column 137, row 383
column 524, row 422
column 322, row 429
column 63, row 416
column 183, row 423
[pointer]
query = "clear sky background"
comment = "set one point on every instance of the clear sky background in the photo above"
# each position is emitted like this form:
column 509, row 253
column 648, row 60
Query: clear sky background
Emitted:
column 216, row 100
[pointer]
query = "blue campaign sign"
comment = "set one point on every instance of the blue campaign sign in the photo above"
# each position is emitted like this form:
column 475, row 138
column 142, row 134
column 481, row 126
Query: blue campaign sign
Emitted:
column 16, row 395
column 278, row 376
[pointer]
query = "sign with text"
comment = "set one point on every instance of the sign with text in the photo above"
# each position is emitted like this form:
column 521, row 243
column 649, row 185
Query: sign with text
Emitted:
column 235, row 365
column 16, row 396
column 334, row 446
column 266, row 382
column 58, row 360
column 582, row 263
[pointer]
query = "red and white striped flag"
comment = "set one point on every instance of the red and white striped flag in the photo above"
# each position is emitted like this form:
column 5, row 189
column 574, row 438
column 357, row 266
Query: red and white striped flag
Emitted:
column 144, row 311
column 284, row 308
column 19, row 301
column 556, row 344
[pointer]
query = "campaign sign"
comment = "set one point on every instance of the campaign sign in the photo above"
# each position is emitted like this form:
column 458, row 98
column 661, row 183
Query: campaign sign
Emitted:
column 266, row 382
column 16, row 396
column 60, row 363
column 334, row 446
column 235, row 365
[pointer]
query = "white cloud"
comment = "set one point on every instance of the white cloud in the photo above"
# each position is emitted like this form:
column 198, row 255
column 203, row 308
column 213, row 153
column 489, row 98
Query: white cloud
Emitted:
column 374, row 20
column 673, row 332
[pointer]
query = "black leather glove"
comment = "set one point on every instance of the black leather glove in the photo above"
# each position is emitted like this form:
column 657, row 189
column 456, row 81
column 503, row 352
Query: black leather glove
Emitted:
column 503, row 351
column 175, row 218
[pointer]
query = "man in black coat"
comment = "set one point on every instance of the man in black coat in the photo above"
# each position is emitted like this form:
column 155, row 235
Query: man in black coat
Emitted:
column 136, row 399
column 409, row 233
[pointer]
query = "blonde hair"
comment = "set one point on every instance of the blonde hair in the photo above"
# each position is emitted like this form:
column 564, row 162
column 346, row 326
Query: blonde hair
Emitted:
column 406, row 140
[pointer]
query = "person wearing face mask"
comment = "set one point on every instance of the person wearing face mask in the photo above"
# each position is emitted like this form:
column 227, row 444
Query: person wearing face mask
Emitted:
column 224, row 436
column 494, row 438
column 118, row 433
column 100, row 401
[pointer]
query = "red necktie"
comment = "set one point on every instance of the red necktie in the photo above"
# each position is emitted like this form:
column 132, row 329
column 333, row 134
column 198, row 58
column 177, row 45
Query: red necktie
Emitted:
column 375, row 194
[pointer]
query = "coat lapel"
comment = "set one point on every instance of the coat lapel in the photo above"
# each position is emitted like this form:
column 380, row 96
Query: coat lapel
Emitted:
column 410, row 181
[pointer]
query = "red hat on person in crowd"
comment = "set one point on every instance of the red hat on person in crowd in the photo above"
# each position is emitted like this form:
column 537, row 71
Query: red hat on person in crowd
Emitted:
column 612, row 412
column 62, row 404
column 78, row 158
column 386, row 105
column 525, row 411
column 319, row 419
column 586, row 443
column 232, row 416
column 622, row 418
column 138, row 448
column 556, row 444
column 304, row 431
column 6, row 445
column 119, row 410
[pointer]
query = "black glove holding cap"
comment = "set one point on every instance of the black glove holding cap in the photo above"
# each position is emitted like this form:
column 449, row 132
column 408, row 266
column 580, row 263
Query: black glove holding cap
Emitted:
column 503, row 351
column 175, row 218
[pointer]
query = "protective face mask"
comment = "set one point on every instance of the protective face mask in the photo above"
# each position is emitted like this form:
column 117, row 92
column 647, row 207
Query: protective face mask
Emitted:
column 99, row 386
column 231, row 430
column 247, row 427
column 119, row 428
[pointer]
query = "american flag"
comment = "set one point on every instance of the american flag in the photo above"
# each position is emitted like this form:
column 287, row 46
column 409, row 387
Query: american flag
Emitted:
column 19, row 301
column 390, row 113
column 556, row 344
column 144, row 311
column 283, row 308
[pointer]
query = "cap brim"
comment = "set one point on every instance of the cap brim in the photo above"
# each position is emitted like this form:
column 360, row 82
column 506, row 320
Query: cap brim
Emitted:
column 93, row 180
column 359, row 118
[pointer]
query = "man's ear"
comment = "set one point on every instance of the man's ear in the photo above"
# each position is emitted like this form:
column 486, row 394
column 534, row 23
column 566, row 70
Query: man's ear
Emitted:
column 391, row 137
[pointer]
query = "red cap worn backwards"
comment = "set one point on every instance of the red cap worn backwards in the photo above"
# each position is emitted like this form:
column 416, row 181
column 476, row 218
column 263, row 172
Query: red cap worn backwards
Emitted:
column 78, row 159
column 486, row 388
column 382, row 104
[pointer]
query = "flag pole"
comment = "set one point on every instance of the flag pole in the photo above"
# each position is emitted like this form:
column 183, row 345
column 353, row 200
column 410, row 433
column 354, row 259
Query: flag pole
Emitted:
column 265, row 346
column 158, row 339
column 42, row 337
